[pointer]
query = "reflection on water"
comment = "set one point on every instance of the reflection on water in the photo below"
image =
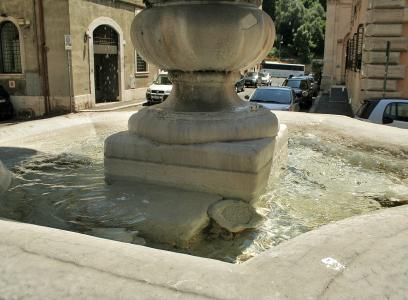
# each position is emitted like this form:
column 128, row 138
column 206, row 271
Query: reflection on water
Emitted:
column 324, row 182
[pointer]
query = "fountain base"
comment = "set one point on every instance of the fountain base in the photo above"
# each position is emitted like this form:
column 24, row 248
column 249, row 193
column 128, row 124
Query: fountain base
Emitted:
column 238, row 169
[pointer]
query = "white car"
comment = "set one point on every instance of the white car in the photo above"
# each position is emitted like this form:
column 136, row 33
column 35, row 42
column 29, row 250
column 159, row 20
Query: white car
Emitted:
column 160, row 89
column 391, row 112
column 265, row 78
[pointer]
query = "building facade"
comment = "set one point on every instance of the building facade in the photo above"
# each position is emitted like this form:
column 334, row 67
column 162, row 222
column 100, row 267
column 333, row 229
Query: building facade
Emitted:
column 65, row 55
column 357, row 33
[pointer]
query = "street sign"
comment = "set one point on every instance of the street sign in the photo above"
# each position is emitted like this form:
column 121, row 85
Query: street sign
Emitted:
column 68, row 42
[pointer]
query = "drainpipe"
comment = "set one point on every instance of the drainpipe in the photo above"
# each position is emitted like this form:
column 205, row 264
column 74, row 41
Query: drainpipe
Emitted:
column 42, row 49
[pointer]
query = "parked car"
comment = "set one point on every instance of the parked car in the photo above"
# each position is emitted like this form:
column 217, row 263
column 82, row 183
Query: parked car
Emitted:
column 252, row 79
column 275, row 98
column 302, row 88
column 6, row 107
column 240, row 85
column 391, row 112
column 265, row 78
column 160, row 89
column 315, row 88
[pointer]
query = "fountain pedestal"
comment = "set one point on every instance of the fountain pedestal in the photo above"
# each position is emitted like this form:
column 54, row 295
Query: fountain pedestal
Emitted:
column 203, row 137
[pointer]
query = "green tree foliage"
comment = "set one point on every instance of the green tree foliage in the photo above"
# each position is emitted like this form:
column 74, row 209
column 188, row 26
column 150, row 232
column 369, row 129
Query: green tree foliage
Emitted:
column 300, row 24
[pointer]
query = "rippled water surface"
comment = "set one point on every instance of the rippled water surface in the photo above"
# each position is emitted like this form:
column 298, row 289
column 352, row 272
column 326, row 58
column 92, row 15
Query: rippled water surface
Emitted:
column 324, row 182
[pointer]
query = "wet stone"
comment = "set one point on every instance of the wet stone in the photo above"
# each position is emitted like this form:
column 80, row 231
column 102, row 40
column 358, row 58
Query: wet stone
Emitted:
column 117, row 234
column 234, row 215
column 5, row 178
column 391, row 201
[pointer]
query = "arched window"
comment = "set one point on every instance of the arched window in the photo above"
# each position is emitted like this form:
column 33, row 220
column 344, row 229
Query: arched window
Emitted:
column 10, row 58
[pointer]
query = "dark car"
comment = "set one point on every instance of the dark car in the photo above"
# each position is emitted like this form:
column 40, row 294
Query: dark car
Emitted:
column 6, row 108
column 252, row 79
column 302, row 88
column 315, row 88
column 240, row 85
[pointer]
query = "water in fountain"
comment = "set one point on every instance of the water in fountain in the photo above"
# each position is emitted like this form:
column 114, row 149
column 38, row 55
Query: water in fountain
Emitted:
column 63, row 187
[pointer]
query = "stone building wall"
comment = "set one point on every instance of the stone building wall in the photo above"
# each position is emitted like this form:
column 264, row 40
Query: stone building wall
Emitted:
column 27, row 93
column 76, row 18
column 85, row 15
column 338, row 17
column 382, row 21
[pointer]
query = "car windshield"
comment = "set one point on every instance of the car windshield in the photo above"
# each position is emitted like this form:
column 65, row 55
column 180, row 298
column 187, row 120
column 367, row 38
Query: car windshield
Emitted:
column 251, row 74
column 162, row 80
column 293, row 83
column 281, row 96
column 262, row 74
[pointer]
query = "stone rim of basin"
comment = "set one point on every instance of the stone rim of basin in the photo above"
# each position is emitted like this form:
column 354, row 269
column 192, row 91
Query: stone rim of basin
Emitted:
column 234, row 215
column 5, row 178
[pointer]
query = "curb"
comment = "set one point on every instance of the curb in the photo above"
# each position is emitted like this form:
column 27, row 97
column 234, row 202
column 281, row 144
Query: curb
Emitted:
column 112, row 109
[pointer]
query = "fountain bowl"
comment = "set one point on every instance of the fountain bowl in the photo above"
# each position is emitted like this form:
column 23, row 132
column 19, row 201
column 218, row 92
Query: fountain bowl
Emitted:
column 203, row 35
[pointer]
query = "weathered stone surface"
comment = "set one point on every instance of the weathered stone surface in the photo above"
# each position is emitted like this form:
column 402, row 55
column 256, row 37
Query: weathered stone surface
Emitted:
column 379, row 94
column 161, row 124
column 359, row 258
column 378, row 71
column 234, row 215
column 243, row 156
column 385, row 30
column 375, row 58
column 385, row 16
column 386, row 4
column 159, row 214
column 380, row 43
column 5, row 178
column 217, row 31
column 234, row 169
column 378, row 85
column 117, row 234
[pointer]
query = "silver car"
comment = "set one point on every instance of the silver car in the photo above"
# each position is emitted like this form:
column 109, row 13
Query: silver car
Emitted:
column 275, row 98
column 391, row 112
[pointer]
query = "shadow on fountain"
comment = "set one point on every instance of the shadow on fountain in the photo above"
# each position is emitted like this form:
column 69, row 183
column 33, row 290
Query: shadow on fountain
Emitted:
column 14, row 155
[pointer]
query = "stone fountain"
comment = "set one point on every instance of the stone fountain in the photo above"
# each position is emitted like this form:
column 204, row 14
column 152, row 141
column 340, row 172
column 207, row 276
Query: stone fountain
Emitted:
column 203, row 137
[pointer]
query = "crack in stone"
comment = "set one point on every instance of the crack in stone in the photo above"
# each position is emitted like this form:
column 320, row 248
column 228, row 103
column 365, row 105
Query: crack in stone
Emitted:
column 141, row 281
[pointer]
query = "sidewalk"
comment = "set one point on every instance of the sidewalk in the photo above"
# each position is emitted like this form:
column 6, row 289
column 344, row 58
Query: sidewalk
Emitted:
column 112, row 106
column 335, row 102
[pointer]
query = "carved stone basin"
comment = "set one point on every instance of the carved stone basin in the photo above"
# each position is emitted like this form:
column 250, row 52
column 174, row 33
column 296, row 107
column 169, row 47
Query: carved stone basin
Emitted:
column 203, row 35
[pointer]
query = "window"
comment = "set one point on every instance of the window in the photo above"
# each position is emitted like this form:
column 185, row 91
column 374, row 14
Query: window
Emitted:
column 10, row 58
column 360, row 39
column 141, row 64
column 354, row 50
column 367, row 108
column 397, row 112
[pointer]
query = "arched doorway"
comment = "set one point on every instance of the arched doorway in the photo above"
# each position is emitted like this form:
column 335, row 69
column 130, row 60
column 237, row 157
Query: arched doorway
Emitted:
column 106, row 64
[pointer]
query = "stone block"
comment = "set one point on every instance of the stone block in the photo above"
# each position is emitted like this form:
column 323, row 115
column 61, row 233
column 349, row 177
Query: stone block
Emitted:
column 372, row 57
column 380, row 43
column 378, row 71
column 372, row 4
column 231, row 169
column 385, row 16
column 386, row 30
column 377, row 85
column 378, row 94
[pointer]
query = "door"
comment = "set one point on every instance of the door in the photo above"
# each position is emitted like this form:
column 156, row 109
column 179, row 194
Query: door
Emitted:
column 106, row 64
